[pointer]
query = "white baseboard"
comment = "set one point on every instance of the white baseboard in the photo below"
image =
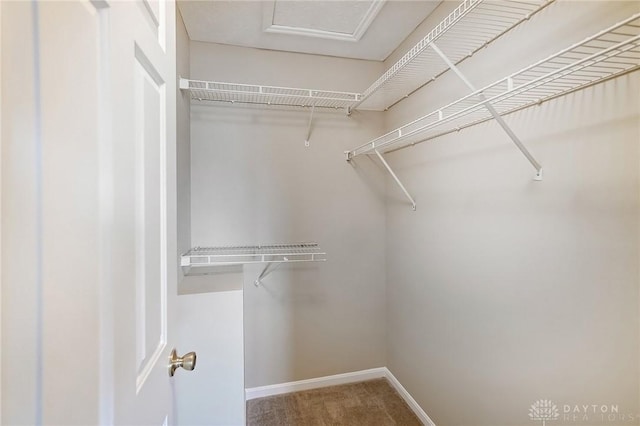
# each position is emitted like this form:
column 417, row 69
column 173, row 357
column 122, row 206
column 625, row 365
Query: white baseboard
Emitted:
column 415, row 407
column 341, row 379
column 318, row 382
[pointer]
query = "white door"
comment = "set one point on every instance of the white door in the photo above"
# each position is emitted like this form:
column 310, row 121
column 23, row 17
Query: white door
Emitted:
column 143, row 100
column 88, row 211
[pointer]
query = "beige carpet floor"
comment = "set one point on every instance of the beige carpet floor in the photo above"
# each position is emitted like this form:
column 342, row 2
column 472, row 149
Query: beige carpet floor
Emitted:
column 370, row 403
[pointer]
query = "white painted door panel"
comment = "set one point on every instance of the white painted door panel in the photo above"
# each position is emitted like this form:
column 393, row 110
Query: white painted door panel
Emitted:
column 88, row 212
column 144, row 240
column 50, row 217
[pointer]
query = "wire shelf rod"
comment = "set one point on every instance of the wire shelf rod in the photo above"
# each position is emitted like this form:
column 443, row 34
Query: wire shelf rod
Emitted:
column 470, row 27
column 239, row 255
column 252, row 262
column 527, row 84
column 451, row 19
column 514, row 110
column 267, row 95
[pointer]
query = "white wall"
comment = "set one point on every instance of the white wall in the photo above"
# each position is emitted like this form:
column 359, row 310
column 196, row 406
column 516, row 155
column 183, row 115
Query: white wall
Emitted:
column 502, row 290
column 254, row 182
column 183, row 142
column 209, row 320
column 18, row 236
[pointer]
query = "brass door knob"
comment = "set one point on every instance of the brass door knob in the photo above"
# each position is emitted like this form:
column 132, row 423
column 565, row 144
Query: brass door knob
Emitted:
column 188, row 362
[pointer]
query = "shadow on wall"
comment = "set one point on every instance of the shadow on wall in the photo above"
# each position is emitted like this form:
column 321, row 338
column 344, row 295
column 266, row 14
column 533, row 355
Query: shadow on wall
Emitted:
column 211, row 280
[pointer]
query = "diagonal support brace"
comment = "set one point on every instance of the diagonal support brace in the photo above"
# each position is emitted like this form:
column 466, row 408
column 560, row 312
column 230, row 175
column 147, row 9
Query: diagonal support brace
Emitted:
column 306, row 141
column 386, row 165
column 267, row 270
column 496, row 115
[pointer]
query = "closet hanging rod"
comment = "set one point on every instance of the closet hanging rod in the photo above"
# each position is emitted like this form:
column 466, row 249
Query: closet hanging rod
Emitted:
column 470, row 27
column 609, row 53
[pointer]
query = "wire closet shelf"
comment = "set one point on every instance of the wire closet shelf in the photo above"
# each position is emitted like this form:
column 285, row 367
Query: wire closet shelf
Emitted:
column 607, row 54
column 267, row 95
column 240, row 255
column 470, row 27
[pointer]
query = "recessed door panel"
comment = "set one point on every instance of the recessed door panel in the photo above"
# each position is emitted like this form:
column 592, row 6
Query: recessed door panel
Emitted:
column 155, row 11
column 150, row 210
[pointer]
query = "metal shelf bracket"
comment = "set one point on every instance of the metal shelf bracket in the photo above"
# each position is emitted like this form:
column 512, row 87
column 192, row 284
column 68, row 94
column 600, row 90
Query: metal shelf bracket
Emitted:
column 393, row 175
column 349, row 156
column 306, row 141
column 493, row 112
column 267, row 270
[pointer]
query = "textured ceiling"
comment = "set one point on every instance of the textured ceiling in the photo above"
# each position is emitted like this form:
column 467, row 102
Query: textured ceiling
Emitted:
column 363, row 29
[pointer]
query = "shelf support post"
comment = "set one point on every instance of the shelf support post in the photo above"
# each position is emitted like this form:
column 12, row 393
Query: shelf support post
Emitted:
column 496, row 115
column 393, row 175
